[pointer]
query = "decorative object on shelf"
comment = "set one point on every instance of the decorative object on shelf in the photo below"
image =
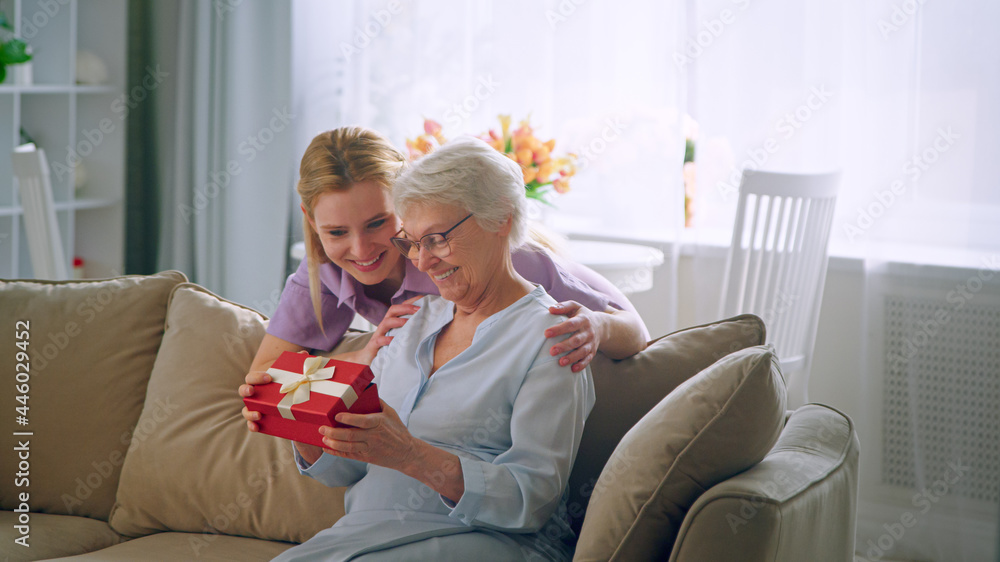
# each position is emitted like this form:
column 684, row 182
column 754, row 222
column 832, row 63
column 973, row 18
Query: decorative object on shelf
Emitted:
column 90, row 69
column 78, row 268
column 26, row 138
column 44, row 243
column 79, row 178
column 541, row 169
column 54, row 114
column 13, row 51
column 690, row 186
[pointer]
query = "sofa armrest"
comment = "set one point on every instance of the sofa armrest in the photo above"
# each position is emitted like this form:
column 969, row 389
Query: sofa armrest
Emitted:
column 799, row 503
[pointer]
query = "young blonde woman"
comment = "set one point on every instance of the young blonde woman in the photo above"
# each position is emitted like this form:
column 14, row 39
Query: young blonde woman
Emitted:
column 351, row 267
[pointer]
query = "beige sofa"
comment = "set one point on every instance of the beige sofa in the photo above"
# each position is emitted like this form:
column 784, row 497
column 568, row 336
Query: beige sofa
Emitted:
column 137, row 450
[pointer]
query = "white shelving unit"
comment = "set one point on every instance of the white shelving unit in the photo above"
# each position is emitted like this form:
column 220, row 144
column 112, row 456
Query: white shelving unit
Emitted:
column 73, row 123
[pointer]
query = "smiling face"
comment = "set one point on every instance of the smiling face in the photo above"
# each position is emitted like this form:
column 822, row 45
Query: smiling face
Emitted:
column 354, row 226
column 464, row 275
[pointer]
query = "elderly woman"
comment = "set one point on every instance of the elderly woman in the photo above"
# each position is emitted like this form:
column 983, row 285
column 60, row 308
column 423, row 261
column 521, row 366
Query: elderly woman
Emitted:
column 470, row 458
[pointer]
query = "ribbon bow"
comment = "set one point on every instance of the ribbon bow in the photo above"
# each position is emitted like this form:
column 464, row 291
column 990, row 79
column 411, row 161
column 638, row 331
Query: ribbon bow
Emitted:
column 298, row 387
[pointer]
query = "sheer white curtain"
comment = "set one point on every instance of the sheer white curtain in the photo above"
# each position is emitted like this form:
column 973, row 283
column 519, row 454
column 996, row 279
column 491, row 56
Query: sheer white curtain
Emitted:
column 903, row 97
column 595, row 76
column 223, row 129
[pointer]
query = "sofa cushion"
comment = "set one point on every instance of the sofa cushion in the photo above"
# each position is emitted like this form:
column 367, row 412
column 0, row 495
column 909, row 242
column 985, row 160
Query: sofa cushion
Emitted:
column 171, row 547
column 799, row 503
column 717, row 424
column 53, row 536
column 627, row 389
column 91, row 347
column 197, row 468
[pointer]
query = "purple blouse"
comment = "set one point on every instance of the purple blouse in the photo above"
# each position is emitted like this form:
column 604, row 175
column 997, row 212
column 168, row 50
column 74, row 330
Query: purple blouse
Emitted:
column 341, row 295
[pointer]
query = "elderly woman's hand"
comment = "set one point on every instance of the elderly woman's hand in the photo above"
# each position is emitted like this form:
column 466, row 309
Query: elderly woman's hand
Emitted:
column 586, row 327
column 380, row 439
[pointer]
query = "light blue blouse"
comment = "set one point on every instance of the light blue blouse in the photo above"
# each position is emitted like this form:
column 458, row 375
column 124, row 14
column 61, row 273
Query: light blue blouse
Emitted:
column 505, row 407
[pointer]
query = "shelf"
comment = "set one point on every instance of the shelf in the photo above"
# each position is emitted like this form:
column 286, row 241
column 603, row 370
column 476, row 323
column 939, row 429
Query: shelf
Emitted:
column 92, row 203
column 69, row 121
column 55, row 89
column 74, row 205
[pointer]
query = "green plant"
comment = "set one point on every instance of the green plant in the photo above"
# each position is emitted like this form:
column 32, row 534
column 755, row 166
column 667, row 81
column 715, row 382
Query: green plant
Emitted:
column 12, row 49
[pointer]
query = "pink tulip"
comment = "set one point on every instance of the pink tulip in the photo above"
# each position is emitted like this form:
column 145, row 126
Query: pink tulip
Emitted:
column 432, row 127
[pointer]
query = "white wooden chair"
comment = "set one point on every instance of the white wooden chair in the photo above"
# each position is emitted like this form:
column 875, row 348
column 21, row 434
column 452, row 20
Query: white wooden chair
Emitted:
column 35, row 190
column 777, row 263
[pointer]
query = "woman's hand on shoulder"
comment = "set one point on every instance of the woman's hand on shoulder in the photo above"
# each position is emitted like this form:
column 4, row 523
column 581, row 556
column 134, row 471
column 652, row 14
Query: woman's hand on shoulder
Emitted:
column 585, row 327
column 393, row 319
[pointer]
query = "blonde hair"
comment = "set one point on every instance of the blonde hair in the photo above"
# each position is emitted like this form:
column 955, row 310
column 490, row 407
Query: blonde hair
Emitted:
column 334, row 161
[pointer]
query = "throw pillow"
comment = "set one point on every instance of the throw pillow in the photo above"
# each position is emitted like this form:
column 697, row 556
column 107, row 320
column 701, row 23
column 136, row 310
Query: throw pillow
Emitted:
column 91, row 346
column 717, row 424
column 195, row 467
column 629, row 388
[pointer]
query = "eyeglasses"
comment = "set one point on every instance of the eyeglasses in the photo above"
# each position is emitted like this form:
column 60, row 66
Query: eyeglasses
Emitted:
column 436, row 243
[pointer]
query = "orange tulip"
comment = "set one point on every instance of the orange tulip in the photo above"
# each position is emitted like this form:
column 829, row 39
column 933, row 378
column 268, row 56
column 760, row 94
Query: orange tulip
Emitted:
column 419, row 146
column 542, row 154
column 567, row 166
column 545, row 170
column 522, row 132
column 525, row 156
column 561, row 185
column 551, row 145
column 530, row 173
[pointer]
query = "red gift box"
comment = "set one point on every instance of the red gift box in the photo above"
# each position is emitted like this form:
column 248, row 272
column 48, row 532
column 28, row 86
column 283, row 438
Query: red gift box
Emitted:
column 315, row 390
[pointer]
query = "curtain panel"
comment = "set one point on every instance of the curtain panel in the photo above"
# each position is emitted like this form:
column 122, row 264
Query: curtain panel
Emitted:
column 212, row 146
column 901, row 97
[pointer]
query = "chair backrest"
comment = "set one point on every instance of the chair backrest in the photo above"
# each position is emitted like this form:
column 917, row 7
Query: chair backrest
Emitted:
column 35, row 191
column 778, row 256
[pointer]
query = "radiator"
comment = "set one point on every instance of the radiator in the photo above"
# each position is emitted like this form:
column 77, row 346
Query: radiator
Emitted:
column 942, row 371
column 930, row 433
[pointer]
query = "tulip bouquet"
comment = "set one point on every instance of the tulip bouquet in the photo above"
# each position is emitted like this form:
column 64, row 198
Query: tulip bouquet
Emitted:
column 540, row 168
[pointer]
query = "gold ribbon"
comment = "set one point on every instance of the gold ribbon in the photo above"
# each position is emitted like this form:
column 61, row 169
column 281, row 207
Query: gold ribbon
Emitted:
column 298, row 387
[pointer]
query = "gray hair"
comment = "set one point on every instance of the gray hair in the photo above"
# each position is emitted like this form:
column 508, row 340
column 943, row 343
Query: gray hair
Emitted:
column 470, row 174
